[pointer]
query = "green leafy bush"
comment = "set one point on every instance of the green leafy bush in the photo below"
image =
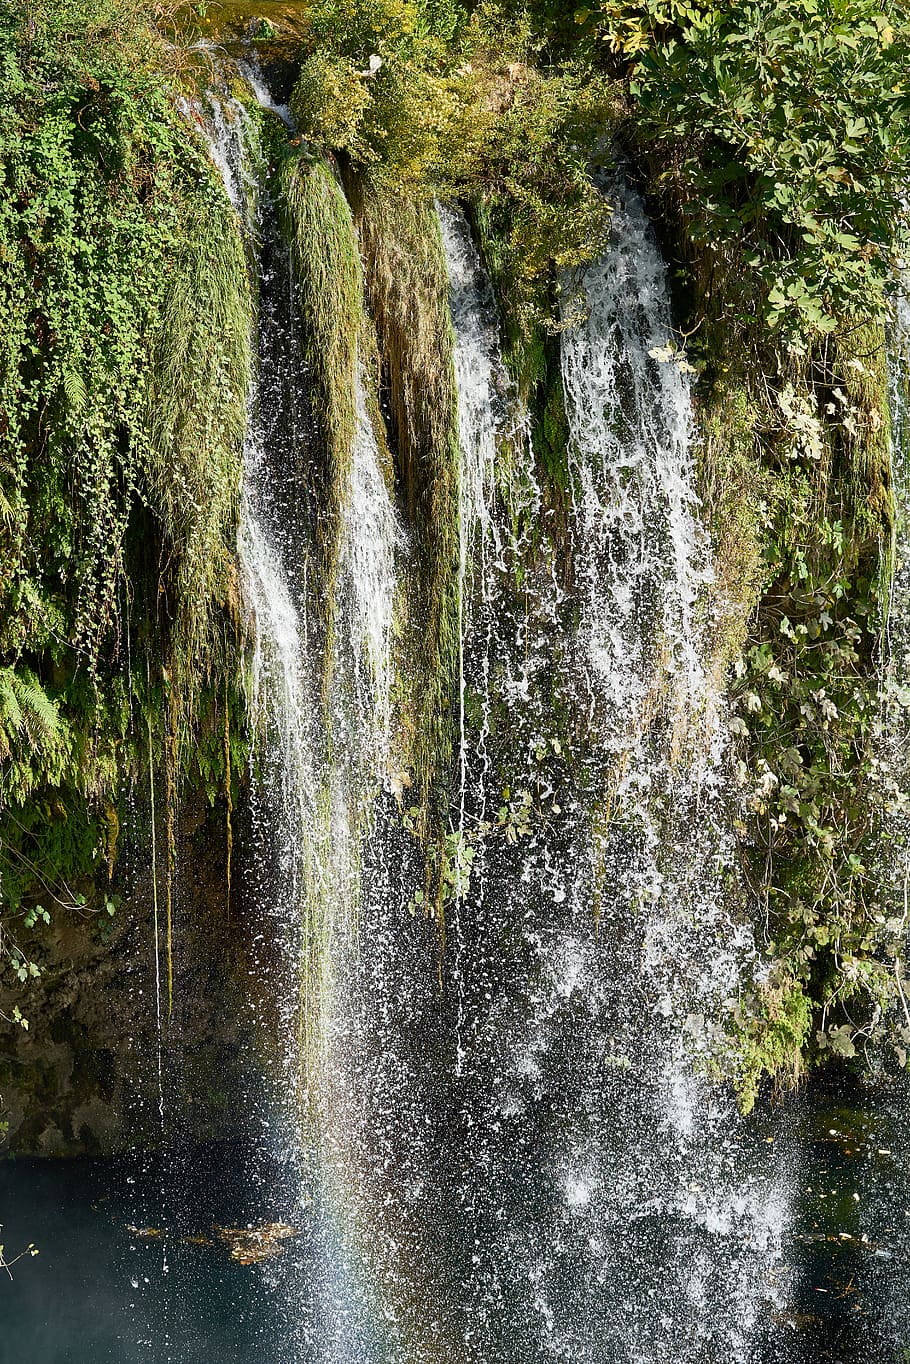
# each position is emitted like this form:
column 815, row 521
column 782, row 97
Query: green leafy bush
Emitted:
column 460, row 108
column 781, row 129
column 124, row 347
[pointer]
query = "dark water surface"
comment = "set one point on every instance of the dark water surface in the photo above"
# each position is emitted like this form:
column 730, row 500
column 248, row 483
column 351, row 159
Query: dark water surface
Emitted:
column 849, row 1152
column 105, row 1289
column 131, row 1266
column 100, row 1291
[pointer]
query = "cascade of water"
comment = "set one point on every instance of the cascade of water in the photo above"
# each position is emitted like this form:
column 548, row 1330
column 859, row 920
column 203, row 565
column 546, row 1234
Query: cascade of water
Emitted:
column 512, row 1116
column 273, row 551
column 307, row 791
column 641, row 561
column 630, row 451
column 479, row 375
column 322, row 751
column 251, row 70
column 231, row 135
column 598, row 1200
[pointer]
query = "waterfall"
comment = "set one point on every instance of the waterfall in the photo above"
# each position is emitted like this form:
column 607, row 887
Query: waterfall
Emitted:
column 480, row 379
column 319, row 761
column 309, row 790
column 535, row 1151
column 630, row 421
column 579, row 1045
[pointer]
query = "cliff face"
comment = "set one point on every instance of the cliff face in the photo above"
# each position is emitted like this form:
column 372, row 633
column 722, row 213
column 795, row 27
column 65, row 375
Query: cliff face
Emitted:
column 84, row 1078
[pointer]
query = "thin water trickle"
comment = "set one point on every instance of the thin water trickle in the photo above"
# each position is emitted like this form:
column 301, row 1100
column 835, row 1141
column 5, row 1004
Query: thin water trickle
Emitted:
column 372, row 541
column 481, row 386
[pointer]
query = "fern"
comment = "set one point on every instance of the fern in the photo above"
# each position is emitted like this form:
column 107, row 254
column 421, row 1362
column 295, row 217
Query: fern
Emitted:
column 11, row 717
column 7, row 510
column 27, row 710
column 75, row 391
column 42, row 719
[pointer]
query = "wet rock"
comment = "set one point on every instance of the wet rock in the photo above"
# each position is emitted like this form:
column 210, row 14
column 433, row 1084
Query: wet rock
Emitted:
column 84, row 1078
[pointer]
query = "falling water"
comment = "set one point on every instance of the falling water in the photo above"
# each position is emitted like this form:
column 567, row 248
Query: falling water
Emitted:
column 480, row 378
column 582, row 1042
column 535, row 1151
column 320, row 760
column 274, row 551
column 371, row 542
column 631, row 427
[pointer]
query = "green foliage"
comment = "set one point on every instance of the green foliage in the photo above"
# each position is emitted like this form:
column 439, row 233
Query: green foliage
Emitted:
column 30, row 729
column 442, row 106
column 105, row 265
column 779, row 129
column 771, row 1027
column 736, row 493
column 379, row 82
column 124, row 352
column 407, row 290
column 329, row 286
column 194, row 422
column 805, row 693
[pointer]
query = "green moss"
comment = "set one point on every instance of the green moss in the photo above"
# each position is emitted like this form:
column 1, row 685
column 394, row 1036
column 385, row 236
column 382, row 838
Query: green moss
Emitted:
column 531, row 355
column 329, row 286
column 736, row 494
column 407, row 291
column 771, row 1031
column 860, row 483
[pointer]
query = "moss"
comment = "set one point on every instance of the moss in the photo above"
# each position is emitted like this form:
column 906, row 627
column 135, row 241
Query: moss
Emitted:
column 328, row 283
column 407, row 291
column 861, row 474
column 531, row 355
column 523, row 341
column 275, row 26
column 736, row 494
column 795, row 476
column 771, row 1030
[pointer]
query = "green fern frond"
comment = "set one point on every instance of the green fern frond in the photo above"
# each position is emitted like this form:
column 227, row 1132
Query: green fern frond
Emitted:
column 42, row 719
column 11, row 717
column 75, row 391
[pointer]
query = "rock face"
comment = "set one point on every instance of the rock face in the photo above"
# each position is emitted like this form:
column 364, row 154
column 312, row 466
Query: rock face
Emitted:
column 85, row 1077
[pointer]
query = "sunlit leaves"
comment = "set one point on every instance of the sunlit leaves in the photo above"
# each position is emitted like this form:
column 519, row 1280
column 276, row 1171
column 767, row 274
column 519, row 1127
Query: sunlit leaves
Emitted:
column 787, row 123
